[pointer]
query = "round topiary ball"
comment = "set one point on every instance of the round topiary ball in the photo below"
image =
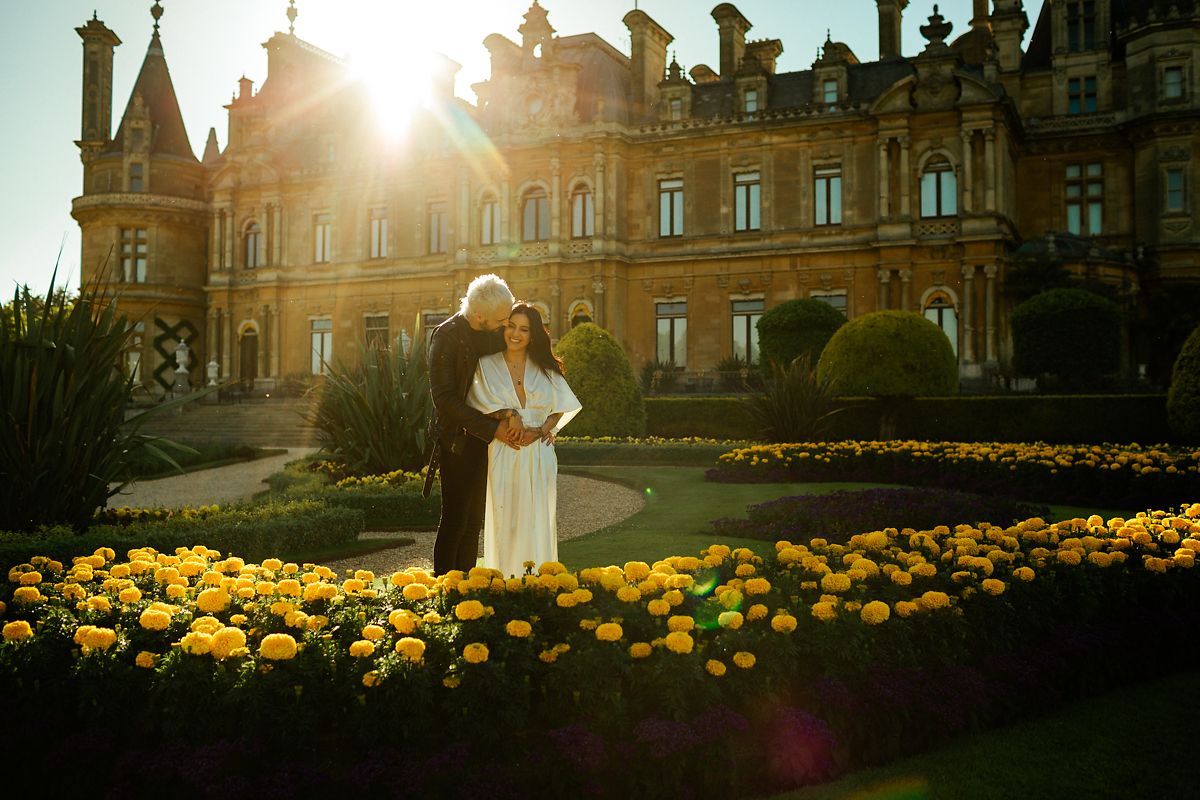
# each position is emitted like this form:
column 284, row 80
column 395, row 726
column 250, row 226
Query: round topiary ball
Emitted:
column 1183, row 398
column 890, row 354
column 1073, row 334
column 794, row 328
column 600, row 375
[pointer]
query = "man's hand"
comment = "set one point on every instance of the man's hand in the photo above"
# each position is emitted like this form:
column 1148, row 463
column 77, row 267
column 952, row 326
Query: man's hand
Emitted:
column 530, row 435
column 510, row 432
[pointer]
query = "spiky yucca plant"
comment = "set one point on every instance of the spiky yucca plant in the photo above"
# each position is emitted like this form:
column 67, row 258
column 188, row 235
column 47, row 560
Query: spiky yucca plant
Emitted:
column 796, row 405
column 372, row 415
column 65, row 444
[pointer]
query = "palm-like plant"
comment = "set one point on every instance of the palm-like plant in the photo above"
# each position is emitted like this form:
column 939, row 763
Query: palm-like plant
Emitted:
column 796, row 405
column 65, row 444
column 373, row 415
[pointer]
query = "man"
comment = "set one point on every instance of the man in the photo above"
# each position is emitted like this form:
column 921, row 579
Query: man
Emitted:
column 462, row 434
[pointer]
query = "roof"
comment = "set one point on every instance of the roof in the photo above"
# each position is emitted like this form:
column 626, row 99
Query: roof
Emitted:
column 168, row 134
column 865, row 83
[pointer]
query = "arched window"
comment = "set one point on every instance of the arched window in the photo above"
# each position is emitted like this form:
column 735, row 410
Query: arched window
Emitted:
column 580, row 313
column 582, row 212
column 940, row 311
column 939, row 189
column 489, row 220
column 535, row 216
column 253, row 234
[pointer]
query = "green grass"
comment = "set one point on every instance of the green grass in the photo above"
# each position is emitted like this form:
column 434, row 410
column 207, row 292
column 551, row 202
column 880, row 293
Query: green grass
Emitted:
column 360, row 547
column 1118, row 745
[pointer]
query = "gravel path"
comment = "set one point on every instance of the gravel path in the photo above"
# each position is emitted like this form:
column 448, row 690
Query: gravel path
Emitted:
column 229, row 484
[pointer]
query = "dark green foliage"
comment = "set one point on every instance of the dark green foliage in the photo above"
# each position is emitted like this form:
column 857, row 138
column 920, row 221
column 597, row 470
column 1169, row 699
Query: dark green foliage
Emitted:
column 372, row 415
column 666, row 454
column 383, row 506
column 706, row 417
column 796, row 405
column 1170, row 317
column 1072, row 334
column 890, row 354
column 1183, row 400
column 65, row 445
column 796, row 328
column 659, row 377
column 600, row 376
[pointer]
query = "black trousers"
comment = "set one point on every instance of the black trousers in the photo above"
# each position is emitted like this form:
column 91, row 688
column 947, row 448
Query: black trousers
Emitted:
column 464, row 494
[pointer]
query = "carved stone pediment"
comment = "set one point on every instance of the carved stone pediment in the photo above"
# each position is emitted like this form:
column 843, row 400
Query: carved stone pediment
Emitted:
column 937, row 87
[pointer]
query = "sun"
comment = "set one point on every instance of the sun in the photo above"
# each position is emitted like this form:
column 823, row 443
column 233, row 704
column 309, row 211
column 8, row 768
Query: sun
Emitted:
column 396, row 79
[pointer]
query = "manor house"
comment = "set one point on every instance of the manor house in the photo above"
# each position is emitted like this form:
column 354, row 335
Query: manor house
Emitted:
column 670, row 206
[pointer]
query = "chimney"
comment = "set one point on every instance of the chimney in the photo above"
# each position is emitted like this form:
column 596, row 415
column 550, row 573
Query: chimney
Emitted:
column 890, row 12
column 733, row 27
column 1009, row 24
column 648, row 59
column 96, row 117
column 979, row 13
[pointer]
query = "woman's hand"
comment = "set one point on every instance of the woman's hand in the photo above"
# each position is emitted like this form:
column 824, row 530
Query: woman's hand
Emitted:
column 548, row 436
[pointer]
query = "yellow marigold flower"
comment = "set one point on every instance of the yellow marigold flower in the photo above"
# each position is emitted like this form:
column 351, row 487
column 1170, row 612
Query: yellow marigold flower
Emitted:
column 637, row 570
column 551, row 568
column 17, row 630
column 679, row 642
column 25, row 595
column 362, row 648
column 658, row 607
column 146, row 660
column 756, row 612
column 548, row 656
column 730, row 619
column 206, row 624
column 835, row 583
column 900, row 577
column 119, row 571
column 730, row 598
column 196, row 643
column 824, row 611
column 640, row 650
column 609, row 632
column 923, row 570
column 175, row 591
column 373, row 632
column 411, row 649
column 628, row 594
column 714, row 667
column 993, row 586
column 415, row 591
column 783, row 623
column 225, row 641
column 99, row 603
column 744, row 659
column 451, row 681
column 290, row 587
column 757, row 586
column 518, row 628
column 153, row 620
column 401, row 579
column 31, row 578
column 353, row 586
column 1099, row 559
column 1023, row 574
column 680, row 622
column 277, row 647
column 933, row 600
column 875, row 612
column 744, row 570
column 674, row 597
column 273, row 564
column 210, row 601
column 1069, row 557
column 477, row 652
column 905, row 608
column 100, row 638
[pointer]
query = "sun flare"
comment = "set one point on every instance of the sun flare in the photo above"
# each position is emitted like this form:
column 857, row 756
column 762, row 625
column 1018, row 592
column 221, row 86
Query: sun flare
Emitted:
column 396, row 79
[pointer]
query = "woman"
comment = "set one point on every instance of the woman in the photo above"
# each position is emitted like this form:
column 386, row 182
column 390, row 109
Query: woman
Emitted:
column 526, row 379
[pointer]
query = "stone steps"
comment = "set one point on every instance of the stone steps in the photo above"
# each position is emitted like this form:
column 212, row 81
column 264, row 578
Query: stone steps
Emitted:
column 253, row 422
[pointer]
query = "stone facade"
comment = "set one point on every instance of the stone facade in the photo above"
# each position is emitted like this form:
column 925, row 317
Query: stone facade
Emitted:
column 669, row 207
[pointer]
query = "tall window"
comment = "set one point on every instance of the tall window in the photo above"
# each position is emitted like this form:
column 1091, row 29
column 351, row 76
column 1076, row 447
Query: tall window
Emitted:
column 1085, row 199
column 835, row 299
column 1081, row 25
column 1173, row 83
column 670, row 207
column 746, row 201
column 438, row 235
column 746, row 314
column 535, row 216
column 322, row 241
column 321, row 334
column 676, row 107
column 582, row 212
column 136, row 183
column 829, row 93
column 429, row 322
column 939, row 190
column 1081, row 95
column 379, row 233
column 1174, row 200
column 827, row 188
column 375, row 330
column 134, row 248
column 940, row 311
column 750, row 99
column 253, row 237
column 489, row 221
column 671, row 330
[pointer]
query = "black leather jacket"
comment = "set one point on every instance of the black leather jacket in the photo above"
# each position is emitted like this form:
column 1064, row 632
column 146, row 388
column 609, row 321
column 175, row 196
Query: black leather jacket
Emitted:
column 453, row 356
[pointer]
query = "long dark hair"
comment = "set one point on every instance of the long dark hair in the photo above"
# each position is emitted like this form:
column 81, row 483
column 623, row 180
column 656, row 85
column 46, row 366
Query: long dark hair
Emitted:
column 539, row 339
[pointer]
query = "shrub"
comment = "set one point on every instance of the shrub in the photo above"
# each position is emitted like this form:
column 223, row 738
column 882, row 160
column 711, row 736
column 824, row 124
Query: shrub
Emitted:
column 1183, row 399
column 796, row 405
column 600, row 376
column 391, row 501
column 65, row 446
column 732, row 374
column 1072, row 334
column 796, row 328
column 373, row 415
column 890, row 354
column 659, row 377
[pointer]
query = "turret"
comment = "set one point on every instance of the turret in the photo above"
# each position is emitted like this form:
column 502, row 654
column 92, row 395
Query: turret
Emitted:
column 96, row 116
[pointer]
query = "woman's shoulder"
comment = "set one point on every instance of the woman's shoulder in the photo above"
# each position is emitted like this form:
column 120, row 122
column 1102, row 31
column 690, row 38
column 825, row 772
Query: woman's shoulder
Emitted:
column 492, row 358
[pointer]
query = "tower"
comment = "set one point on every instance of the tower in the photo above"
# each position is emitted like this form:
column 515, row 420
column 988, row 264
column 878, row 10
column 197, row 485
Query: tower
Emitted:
column 96, row 115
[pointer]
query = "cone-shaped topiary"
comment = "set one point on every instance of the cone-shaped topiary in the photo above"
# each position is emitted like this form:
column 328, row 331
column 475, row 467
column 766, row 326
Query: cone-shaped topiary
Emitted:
column 796, row 328
column 890, row 354
column 1183, row 399
column 1073, row 334
column 600, row 375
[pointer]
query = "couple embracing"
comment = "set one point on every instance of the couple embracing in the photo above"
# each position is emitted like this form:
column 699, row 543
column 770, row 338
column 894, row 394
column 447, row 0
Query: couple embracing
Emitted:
column 499, row 399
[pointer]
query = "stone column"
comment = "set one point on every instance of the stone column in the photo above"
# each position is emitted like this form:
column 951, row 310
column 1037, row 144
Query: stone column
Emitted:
column 505, row 235
column 230, row 235
column 555, row 206
column 968, row 314
column 277, row 241
column 263, row 214
column 214, row 320
column 885, row 277
column 905, row 179
column 274, row 317
column 215, row 249
column 462, row 225
column 989, row 170
column 905, row 284
column 598, row 162
column 598, row 298
column 260, row 369
column 967, row 172
column 989, row 307
column 884, row 209
column 557, row 326
column 226, row 336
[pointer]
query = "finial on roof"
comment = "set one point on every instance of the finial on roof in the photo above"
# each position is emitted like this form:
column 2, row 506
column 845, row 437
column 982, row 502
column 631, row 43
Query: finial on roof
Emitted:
column 291, row 14
column 94, row 15
column 828, row 36
column 156, row 11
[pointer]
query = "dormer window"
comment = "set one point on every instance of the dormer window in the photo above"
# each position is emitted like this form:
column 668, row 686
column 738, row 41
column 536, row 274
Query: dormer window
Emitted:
column 676, row 106
column 751, row 101
column 1081, row 25
column 137, row 139
column 1172, row 83
column 829, row 94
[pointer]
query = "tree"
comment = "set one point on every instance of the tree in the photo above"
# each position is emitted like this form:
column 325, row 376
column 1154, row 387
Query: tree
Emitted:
column 602, row 379
column 1072, row 334
column 796, row 328
column 893, row 356
column 1183, row 398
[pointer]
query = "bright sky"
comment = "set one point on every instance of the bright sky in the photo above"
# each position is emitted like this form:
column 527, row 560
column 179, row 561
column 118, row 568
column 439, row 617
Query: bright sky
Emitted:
column 209, row 44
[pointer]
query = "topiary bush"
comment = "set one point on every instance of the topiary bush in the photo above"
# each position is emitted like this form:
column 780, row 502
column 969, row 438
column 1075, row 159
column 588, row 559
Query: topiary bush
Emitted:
column 1072, row 334
column 600, row 375
column 796, row 328
column 1183, row 399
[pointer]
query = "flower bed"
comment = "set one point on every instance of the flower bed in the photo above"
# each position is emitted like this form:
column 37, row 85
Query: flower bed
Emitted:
column 724, row 671
column 1104, row 475
column 837, row 516
column 647, row 452
column 392, row 500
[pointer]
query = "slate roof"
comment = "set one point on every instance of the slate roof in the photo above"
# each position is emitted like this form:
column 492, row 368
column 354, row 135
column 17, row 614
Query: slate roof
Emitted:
column 168, row 135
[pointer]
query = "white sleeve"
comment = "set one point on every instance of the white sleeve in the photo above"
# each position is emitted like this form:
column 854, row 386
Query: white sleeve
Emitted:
column 484, row 396
column 565, row 402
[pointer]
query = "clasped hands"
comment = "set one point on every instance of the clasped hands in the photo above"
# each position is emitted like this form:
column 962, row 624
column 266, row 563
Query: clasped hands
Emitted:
column 514, row 433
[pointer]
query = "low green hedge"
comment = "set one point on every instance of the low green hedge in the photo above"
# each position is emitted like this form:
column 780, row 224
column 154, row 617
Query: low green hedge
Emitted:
column 640, row 453
column 254, row 532
column 382, row 506
column 1058, row 419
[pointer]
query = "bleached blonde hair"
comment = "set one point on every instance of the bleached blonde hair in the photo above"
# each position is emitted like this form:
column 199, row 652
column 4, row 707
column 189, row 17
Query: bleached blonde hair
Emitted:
column 486, row 293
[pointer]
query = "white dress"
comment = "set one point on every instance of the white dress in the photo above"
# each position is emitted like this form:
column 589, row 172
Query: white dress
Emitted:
column 521, row 517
